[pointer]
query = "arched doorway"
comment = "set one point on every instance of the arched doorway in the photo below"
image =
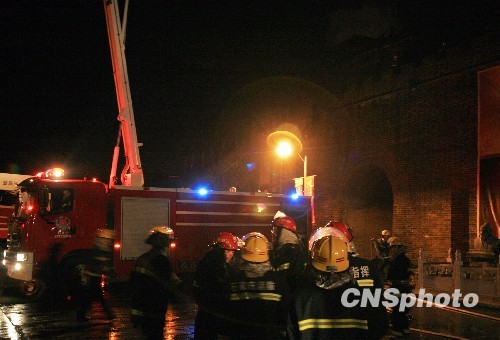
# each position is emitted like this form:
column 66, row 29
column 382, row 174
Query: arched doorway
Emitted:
column 368, row 202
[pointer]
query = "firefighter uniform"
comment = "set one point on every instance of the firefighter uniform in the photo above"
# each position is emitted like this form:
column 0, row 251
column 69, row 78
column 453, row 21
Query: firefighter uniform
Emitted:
column 258, row 294
column 288, row 257
column 318, row 311
column 398, row 277
column 87, row 287
column 211, row 288
column 152, row 286
column 289, row 260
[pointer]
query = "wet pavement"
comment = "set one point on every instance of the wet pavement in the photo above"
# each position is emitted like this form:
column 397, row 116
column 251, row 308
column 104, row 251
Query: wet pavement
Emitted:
column 55, row 319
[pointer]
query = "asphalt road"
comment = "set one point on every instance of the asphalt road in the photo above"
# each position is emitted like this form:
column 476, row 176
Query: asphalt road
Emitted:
column 55, row 319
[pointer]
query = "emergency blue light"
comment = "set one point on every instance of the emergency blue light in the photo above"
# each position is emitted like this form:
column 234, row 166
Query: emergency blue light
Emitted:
column 294, row 196
column 202, row 191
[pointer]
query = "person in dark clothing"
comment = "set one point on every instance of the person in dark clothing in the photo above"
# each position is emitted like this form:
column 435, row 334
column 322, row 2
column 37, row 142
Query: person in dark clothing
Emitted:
column 382, row 248
column 86, row 281
column 211, row 287
column 153, row 284
column 288, row 255
column 318, row 311
column 258, row 295
column 399, row 277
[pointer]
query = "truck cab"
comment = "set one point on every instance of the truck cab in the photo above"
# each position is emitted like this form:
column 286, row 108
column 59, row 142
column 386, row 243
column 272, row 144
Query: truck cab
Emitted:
column 54, row 222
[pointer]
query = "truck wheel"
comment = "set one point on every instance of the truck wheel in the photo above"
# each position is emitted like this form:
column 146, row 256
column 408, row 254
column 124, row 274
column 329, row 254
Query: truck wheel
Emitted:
column 33, row 290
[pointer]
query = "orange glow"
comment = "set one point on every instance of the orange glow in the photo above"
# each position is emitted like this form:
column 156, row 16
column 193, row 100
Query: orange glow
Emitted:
column 172, row 245
column 94, row 179
column 54, row 173
column 117, row 246
column 29, row 208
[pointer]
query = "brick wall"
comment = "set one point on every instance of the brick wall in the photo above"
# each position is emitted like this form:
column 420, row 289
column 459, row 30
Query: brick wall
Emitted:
column 389, row 151
column 420, row 128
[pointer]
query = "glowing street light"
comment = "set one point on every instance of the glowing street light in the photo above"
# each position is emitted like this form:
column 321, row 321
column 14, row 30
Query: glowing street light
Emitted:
column 284, row 149
column 286, row 144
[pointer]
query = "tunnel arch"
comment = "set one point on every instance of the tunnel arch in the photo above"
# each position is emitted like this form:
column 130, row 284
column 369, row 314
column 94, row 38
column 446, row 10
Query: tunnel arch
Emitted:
column 367, row 206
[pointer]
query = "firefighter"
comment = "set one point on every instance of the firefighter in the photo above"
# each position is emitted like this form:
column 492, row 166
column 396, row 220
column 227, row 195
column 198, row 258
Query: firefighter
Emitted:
column 399, row 277
column 318, row 312
column 258, row 294
column 288, row 256
column 338, row 229
column 153, row 284
column 67, row 201
column 382, row 245
column 382, row 260
column 211, row 286
column 92, row 276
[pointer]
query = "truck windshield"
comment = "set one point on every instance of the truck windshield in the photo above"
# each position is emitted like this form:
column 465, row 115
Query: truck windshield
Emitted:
column 61, row 200
column 26, row 202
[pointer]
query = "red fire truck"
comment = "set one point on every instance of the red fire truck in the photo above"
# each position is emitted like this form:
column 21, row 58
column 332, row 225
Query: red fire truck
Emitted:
column 8, row 197
column 46, row 234
column 56, row 218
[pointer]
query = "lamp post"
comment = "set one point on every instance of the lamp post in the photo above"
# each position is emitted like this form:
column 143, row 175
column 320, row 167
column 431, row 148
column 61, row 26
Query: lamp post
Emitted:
column 285, row 150
column 286, row 144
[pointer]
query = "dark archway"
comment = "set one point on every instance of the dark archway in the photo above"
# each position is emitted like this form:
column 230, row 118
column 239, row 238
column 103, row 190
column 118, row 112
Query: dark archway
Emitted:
column 368, row 205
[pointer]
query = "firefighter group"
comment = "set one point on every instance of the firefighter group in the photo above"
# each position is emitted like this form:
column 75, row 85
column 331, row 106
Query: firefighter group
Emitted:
column 255, row 288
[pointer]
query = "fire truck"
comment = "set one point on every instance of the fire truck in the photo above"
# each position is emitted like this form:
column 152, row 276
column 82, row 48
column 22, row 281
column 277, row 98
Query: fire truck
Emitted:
column 8, row 197
column 47, row 236
column 56, row 219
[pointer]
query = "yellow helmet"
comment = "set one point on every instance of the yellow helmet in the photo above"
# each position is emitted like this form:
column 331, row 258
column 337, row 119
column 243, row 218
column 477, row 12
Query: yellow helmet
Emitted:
column 395, row 241
column 163, row 230
column 255, row 248
column 104, row 239
column 386, row 232
column 105, row 233
column 329, row 254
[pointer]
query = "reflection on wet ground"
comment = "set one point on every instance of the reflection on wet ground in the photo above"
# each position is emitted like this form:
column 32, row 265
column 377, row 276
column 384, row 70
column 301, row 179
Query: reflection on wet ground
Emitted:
column 55, row 319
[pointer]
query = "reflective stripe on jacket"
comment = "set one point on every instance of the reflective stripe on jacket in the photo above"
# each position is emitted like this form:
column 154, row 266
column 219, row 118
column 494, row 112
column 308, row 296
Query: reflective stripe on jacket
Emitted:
column 332, row 323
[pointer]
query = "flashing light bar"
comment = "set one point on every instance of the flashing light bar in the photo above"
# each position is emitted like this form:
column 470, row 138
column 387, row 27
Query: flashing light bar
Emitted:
column 54, row 173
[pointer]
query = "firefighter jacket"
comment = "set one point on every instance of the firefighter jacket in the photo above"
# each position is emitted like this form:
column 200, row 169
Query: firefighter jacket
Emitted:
column 318, row 313
column 152, row 286
column 399, row 273
column 258, row 304
column 382, row 247
column 211, row 291
column 289, row 260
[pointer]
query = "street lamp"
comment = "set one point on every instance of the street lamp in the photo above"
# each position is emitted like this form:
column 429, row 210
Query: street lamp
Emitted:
column 286, row 144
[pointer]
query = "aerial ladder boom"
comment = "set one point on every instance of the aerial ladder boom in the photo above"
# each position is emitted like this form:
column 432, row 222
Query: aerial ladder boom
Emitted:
column 132, row 172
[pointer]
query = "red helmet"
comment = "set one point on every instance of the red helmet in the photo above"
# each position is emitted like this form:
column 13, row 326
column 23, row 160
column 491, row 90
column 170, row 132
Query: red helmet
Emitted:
column 343, row 228
column 285, row 222
column 226, row 241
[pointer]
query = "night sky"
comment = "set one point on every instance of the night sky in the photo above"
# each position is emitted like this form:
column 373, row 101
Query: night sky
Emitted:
column 185, row 60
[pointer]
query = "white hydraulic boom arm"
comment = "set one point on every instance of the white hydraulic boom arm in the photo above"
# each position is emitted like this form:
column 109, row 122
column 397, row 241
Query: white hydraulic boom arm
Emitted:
column 132, row 172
